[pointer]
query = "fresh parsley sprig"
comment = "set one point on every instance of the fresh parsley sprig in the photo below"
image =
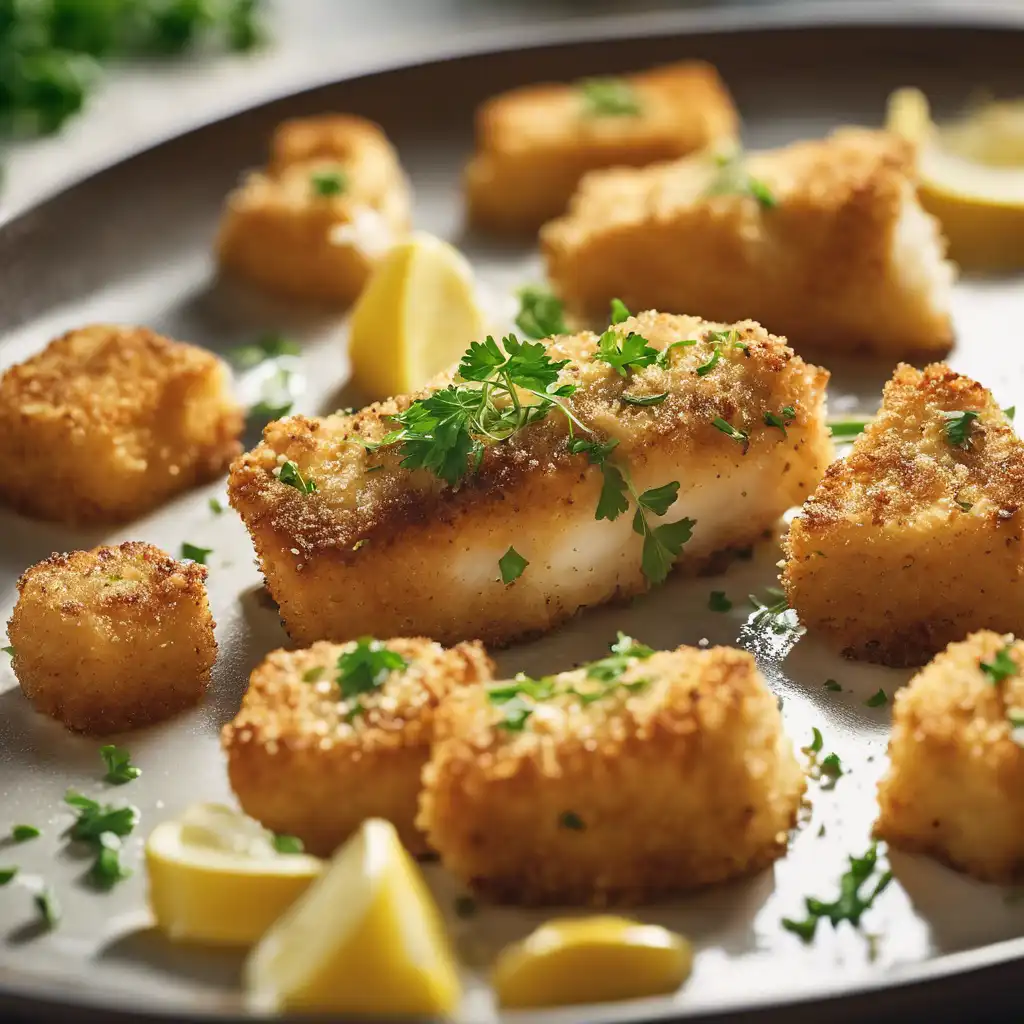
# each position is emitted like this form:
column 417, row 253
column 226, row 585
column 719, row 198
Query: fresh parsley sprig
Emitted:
column 541, row 314
column 289, row 473
column 366, row 666
column 958, row 426
column 119, row 765
column 1001, row 667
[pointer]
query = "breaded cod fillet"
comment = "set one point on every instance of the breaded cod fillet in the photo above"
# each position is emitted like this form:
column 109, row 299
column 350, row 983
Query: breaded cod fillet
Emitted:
column 280, row 228
column 306, row 760
column 955, row 786
column 108, row 422
column 824, row 242
column 380, row 548
column 114, row 638
column 914, row 539
column 626, row 781
column 535, row 143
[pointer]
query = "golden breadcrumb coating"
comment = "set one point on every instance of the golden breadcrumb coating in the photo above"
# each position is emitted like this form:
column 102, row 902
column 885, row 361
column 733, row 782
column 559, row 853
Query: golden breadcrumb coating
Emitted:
column 843, row 258
column 280, row 233
column 913, row 541
column 108, row 422
column 114, row 638
column 678, row 776
column 955, row 786
column 307, row 762
column 535, row 143
column 399, row 552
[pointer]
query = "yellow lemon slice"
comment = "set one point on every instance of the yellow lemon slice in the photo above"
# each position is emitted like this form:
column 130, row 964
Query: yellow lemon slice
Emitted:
column 971, row 177
column 215, row 876
column 415, row 317
column 366, row 938
column 591, row 960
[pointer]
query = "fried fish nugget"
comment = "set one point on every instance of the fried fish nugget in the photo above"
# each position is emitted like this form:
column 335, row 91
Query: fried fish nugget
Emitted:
column 352, row 542
column 313, row 225
column 108, row 422
column 640, row 776
column 307, row 760
column 535, row 143
column 114, row 638
column 955, row 785
column 824, row 242
column 915, row 538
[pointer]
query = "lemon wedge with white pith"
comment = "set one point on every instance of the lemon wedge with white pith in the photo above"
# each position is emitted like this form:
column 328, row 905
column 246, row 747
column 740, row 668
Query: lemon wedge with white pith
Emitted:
column 415, row 317
column 215, row 876
column 366, row 938
column 971, row 176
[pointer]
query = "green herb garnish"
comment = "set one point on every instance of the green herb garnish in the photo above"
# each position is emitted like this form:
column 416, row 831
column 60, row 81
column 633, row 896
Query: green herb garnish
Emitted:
column 511, row 565
column 289, row 474
column 541, row 313
column 1010, row 412
column 288, row 844
column 571, row 820
column 23, row 833
column 620, row 312
column 8, row 875
column 877, row 700
column 609, row 97
column 775, row 611
column 328, row 183
column 268, row 346
column 831, row 766
column 215, row 506
column 780, row 420
column 958, row 428
column 194, row 553
column 739, row 436
column 366, row 667
column 509, row 698
column 9, row 650
column 817, row 742
column 276, row 399
column 733, row 179
column 94, row 818
column 625, row 354
column 831, row 684
column 1001, row 667
column 47, row 906
column 847, row 426
column 107, row 869
column 119, row 765
column 718, row 602
column 314, row 674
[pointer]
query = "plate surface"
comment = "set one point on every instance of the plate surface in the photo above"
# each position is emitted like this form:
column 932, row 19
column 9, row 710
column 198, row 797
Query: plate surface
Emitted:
column 132, row 245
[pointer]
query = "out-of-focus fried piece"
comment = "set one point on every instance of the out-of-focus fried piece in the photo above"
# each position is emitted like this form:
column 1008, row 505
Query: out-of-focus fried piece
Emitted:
column 352, row 542
column 314, row 223
column 622, row 782
column 535, row 143
column 955, row 786
column 824, row 242
column 309, row 756
column 914, row 539
column 108, row 422
column 113, row 638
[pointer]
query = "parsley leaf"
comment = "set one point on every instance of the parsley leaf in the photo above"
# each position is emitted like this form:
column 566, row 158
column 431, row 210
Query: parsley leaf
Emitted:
column 876, row 700
column 613, row 501
column 48, row 906
column 664, row 355
column 215, row 506
column 107, row 870
column 831, row 766
column 817, row 742
column 314, row 674
column 366, row 666
column 625, row 651
column 662, row 546
column 276, row 399
column 269, row 346
column 645, row 399
column 609, row 97
column 94, row 818
column 624, row 354
column 7, row 875
column 288, row 473
column 195, row 554
column 958, row 427
column 119, row 765
column 509, row 698
column 832, row 685
column 1001, row 667
column 511, row 565
column 739, row 436
column 541, row 313
column 718, row 602
column 9, row 650
column 23, row 833
column 659, row 499
column 1010, row 412
column 571, row 820
column 733, row 179
column 288, row 844
column 847, row 426
column 774, row 611
column 780, row 420
column 620, row 312
column 328, row 183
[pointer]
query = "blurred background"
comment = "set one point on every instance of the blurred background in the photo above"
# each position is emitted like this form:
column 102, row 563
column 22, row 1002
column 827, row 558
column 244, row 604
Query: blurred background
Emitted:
column 83, row 82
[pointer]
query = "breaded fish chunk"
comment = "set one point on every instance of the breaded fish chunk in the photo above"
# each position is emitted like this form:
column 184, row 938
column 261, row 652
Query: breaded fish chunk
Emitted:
column 352, row 542
column 535, row 143
column 955, row 786
column 330, row 736
column 914, row 539
column 642, row 775
column 824, row 242
column 113, row 638
column 314, row 223
column 108, row 422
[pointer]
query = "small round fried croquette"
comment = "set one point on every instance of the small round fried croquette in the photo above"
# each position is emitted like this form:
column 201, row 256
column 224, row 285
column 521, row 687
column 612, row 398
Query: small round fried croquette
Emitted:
column 113, row 638
column 309, row 756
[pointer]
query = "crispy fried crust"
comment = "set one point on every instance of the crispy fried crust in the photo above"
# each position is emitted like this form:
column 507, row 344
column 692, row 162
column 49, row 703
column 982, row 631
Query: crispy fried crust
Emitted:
column 108, row 422
column 277, row 231
column 844, row 258
column 396, row 551
column 535, row 143
column 305, row 763
column 685, row 782
column 955, row 786
column 113, row 638
column 911, row 542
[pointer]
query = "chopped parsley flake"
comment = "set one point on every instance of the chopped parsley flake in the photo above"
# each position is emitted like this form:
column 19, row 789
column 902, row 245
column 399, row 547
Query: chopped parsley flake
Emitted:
column 511, row 565
column 8, row 875
column 216, row 507
column 817, row 742
column 328, row 183
column 1001, row 667
column 119, row 765
column 23, row 833
column 718, row 602
column 624, row 354
column 733, row 179
column 289, row 474
column 288, row 844
column 877, row 700
column 47, row 906
column 852, row 902
column 9, row 650
column 739, row 436
column 620, row 312
column 366, row 666
column 94, row 818
column 314, row 674
column 645, row 399
column 624, row 651
column 831, row 684
column 609, row 97
column 958, row 427
column 107, row 870
column 775, row 611
column 269, row 346
column 847, row 426
column 571, row 820
column 831, row 766
column 1010, row 412
column 782, row 419
column 541, row 314
column 194, row 553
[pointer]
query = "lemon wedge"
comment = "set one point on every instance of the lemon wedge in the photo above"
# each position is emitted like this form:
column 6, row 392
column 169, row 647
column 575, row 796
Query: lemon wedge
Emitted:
column 971, row 176
column 591, row 960
column 366, row 938
column 415, row 317
column 215, row 876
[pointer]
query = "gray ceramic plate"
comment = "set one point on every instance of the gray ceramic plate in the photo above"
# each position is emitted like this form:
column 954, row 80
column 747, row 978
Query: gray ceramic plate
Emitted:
column 132, row 244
